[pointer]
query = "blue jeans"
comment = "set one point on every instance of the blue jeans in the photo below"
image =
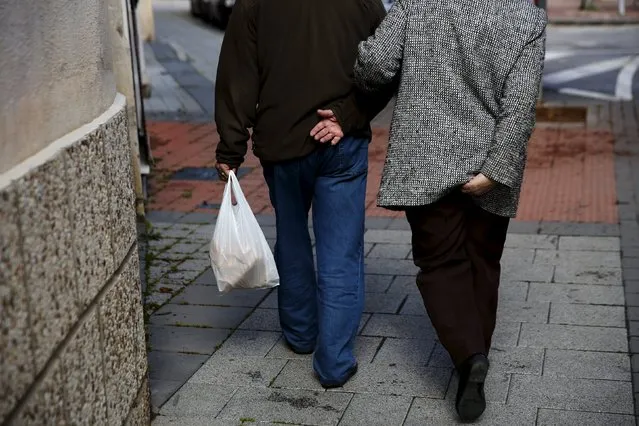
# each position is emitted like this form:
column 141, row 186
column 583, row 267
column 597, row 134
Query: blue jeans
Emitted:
column 321, row 312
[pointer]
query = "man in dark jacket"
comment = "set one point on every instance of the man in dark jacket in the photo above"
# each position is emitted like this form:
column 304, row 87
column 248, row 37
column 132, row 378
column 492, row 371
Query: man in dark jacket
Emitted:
column 281, row 62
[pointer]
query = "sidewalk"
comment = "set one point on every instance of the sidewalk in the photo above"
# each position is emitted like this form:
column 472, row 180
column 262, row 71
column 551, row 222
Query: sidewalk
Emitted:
column 561, row 347
column 567, row 12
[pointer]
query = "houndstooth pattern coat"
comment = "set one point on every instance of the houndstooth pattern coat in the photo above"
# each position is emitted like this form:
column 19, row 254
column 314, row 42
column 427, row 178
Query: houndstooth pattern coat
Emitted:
column 469, row 74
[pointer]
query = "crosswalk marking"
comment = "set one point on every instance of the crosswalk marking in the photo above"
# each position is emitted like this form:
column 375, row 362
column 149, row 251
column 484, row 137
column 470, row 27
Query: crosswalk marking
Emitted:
column 594, row 68
column 623, row 89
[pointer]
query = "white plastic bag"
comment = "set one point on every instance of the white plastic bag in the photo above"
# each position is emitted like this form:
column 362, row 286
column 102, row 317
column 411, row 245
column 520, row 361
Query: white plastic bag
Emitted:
column 240, row 255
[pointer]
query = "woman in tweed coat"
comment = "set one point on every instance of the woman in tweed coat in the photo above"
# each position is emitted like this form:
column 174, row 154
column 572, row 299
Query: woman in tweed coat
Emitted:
column 468, row 74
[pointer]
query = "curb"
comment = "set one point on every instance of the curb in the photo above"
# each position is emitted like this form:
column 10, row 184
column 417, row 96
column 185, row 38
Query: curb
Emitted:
column 593, row 21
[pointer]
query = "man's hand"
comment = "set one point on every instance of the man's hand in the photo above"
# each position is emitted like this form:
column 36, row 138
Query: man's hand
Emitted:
column 223, row 171
column 479, row 185
column 328, row 129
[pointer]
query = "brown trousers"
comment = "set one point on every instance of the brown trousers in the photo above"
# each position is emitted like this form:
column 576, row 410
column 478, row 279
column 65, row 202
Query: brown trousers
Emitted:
column 458, row 248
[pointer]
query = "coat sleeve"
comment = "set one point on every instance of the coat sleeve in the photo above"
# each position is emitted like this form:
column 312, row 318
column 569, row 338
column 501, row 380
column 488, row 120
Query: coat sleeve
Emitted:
column 380, row 56
column 237, row 84
column 506, row 158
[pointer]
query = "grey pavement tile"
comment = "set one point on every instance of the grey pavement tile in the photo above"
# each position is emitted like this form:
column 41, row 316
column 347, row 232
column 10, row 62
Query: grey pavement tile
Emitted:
column 378, row 222
column 576, row 274
column 572, row 394
column 262, row 320
column 192, row 421
column 161, row 391
column 297, row 374
column 411, row 327
column 244, row 371
column 199, row 218
column 495, row 387
column 524, row 227
column 186, row 339
column 400, row 379
column 516, row 360
column 603, row 316
column 209, row 295
column 513, row 291
column 575, row 293
column 633, row 328
column 531, row 241
column 287, row 406
column 388, row 236
column 156, row 298
column 414, row 305
column 587, row 365
column 406, row 351
column 281, row 350
column 390, row 251
column 163, row 217
column 584, row 258
column 169, row 257
column 198, row 399
column 580, row 229
column 589, row 243
column 200, row 316
column 157, row 245
column 518, row 255
column 513, row 311
column 207, row 278
column 270, row 301
column 185, row 247
column 174, row 366
column 384, row 303
column 367, row 409
column 195, row 265
column 506, row 334
column 633, row 313
column 183, row 276
column 527, row 272
column 367, row 248
column 442, row 413
column 440, row 358
column 548, row 417
column 378, row 283
column 390, row 266
column 179, row 232
column 555, row 336
column 405, row 284
column 244, row 343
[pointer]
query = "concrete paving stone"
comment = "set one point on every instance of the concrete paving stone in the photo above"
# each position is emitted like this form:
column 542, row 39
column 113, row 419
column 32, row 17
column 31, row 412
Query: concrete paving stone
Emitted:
column 383, row 303
column 410, row 327
column 184, row 276
column 399, row 224
column 378, row 222
column 262, row 320
column 531, row 241
column 527, row 272
column 580, row 229
column 270, row 301
column 192, row 421
column 440, row 358
column 390, row 266
column 298, row 374
column 209, row 295
column 603, row 316
column 513, row 291
column 198, row 399
column 246, row 343
column 587, row 365
column 287, row 406
column 157, row 245
column 363, row 322
column 207, row 278
column 516, row 360
column 390, row 251
column 194, row 265
column 281, row 350
column 200, row 316
column 179, row 232
column 525, row 227
column 156, row 300
column 414, row 305
column 241, row 371
column 576, row 274
column 378, row 283
column 405, row 284
column 633, row 313
column 367, row 409
column 367, row 248
column 555, row 336
column 387, row 236
column 185, row 247
column 634, row 345
column 548, row 417
column 506, row 333
column 186, row 339
column 163, row 217
column 198, row 218
column 442, row 413
column 201, row 255
column 155, row 273
column 633, row 328
column 517, row 255
column 495, row 388
column 631, row 273
column 631, row 286
column 512, row 311
column 265, row 219
column 171, row 257
column 589, row 243
column 567, row 258
column 629, row 262
column 572, row 394
column 634, row 362
column 400, row 379
column 161, row 391
column 174, row 366
column 406, row 351
column 574, row 293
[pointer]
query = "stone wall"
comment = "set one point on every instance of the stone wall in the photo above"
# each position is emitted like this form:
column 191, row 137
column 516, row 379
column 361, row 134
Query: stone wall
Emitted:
column 71, row 325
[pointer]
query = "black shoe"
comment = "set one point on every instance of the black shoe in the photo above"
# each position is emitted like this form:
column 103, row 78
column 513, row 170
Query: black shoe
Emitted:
column 471, row 401
column 297, row 351
column 349, row 374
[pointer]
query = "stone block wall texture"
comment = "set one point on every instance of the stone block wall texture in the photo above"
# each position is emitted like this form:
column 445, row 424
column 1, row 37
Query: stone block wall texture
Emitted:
column 72, row 343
